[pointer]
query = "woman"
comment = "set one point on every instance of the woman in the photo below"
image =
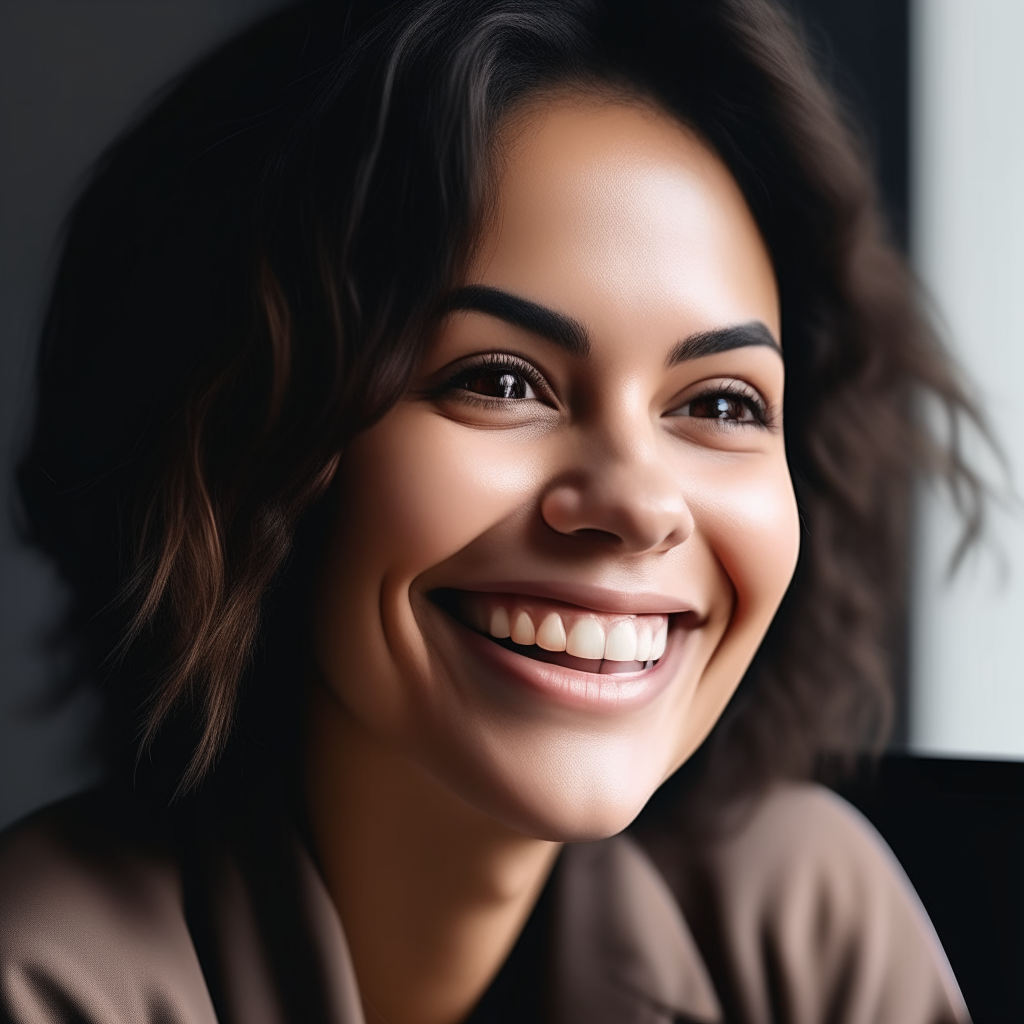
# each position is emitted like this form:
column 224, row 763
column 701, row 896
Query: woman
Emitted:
column 410, row 433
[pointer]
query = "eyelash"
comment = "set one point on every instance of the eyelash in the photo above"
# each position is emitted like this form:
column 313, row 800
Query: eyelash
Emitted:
column 496, row 361
column 492, row 363
column 736, row 391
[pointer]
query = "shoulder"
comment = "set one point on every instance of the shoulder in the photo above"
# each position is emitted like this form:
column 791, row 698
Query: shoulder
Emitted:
column 805, row 836
column 92, row 925
column 803, row 902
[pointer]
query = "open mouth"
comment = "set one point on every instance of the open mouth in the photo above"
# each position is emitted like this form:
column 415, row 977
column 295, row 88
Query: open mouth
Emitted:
column 560, row 634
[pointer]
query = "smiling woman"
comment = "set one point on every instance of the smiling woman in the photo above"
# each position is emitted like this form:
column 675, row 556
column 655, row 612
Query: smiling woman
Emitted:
column 433, row 403
column 566, row 468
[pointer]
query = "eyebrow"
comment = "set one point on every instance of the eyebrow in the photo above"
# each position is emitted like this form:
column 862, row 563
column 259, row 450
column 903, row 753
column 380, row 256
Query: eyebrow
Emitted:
column 571, row 335
column 709, row 343
column 562, row 330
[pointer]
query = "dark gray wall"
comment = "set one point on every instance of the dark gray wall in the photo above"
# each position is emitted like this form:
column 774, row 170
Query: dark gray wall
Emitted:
column 72, row 72
column 863, row 47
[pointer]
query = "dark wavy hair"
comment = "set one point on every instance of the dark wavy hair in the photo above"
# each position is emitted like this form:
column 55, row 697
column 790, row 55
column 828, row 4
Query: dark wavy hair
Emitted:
column 248, row 280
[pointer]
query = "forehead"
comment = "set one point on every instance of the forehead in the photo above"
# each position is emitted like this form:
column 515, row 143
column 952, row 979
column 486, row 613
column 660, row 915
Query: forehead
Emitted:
column 615, row 210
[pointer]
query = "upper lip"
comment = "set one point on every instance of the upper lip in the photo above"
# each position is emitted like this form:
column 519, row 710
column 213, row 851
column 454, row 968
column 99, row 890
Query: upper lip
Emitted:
column 588, row 596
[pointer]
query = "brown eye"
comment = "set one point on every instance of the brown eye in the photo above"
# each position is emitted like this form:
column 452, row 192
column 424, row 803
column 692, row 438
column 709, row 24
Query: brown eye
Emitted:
column 726, row 407
column 493, row 379
column 720, row 407
column 497, row 383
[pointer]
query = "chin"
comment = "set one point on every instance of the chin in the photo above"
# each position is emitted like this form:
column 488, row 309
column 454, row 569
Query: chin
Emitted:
column 566, row 788
column 568, row 816
column 587, row 823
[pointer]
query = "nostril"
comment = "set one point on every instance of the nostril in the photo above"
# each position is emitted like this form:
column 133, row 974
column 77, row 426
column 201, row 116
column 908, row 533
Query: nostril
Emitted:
column 603, row 536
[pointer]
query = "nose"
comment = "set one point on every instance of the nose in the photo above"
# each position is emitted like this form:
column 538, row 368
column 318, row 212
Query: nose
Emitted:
column 633, row 501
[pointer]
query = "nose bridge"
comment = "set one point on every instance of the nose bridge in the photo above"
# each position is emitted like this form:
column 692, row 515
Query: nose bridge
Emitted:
column 623, row 484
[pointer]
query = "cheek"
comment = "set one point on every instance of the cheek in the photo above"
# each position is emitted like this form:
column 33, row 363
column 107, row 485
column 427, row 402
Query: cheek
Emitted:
column 752, row 524
column 412, row 491
column 423, row 487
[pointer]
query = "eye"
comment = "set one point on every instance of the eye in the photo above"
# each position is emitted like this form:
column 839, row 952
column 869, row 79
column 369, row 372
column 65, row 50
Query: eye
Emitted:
column 496, row 377
column 720, row 407
column 496, row 382
column 734, row 404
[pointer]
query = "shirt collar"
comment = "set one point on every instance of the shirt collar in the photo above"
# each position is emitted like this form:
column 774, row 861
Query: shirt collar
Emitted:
column 623, row 952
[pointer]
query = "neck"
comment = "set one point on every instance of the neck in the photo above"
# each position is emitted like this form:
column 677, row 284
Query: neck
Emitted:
column 432, row 894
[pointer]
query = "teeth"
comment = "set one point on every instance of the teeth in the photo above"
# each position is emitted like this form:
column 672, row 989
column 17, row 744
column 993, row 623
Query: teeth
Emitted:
column 644, row 642
column 522, row 629
column 621, row 642
column 631, row 639
column 586, row 639
column 500, row 628
column 551, row 635
column 660, row 642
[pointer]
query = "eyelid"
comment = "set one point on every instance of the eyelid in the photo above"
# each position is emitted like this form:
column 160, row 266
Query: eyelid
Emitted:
column 493, row 360
column 763, row 409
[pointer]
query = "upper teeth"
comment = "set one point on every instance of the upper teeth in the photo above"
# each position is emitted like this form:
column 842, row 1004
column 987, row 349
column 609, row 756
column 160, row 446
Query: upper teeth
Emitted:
column 551, row 634
column 629, row 638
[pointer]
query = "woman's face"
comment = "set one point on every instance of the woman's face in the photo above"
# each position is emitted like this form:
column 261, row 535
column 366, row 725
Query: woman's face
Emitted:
column 554, row 559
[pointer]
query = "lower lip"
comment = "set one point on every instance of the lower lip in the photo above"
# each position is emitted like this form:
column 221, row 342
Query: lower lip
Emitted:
column 582, row 691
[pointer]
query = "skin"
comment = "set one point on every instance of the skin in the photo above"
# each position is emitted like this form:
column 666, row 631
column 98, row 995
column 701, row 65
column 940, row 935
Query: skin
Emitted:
column 440, row 780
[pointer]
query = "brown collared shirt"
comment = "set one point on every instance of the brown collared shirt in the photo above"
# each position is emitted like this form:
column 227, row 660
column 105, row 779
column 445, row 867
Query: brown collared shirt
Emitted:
column 800, row 917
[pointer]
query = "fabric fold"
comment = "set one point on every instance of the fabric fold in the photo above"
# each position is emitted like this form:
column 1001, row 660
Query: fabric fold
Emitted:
column 623, row 952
